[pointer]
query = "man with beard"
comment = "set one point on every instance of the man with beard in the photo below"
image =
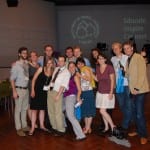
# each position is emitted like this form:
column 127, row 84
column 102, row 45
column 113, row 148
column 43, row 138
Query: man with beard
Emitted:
column 19, row 81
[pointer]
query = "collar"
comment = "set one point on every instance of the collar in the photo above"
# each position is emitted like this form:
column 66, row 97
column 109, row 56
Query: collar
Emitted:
column 20, row 61
column 62, row 68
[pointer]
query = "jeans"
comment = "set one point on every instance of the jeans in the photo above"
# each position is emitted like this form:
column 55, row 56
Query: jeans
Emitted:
column 138, row 112
column 125, row 104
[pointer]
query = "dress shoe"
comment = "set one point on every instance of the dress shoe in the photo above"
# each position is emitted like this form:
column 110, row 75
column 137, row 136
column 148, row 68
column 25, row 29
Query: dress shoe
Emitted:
column 143, row 140
column 101, row 127
column 44, row 129
column 20, row 132
column 105, row 131
column 132, row 134
column 26, row 129
column 58, row 133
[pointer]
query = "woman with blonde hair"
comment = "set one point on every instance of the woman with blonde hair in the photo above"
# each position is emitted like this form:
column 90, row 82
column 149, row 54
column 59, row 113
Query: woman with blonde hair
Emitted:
column 87, row 83
column 39, row 89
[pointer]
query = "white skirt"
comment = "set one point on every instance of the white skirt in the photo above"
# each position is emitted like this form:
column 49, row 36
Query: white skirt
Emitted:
column 103, row 101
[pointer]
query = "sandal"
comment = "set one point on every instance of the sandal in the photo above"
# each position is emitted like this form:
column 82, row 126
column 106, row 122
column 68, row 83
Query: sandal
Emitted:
column 31, row 133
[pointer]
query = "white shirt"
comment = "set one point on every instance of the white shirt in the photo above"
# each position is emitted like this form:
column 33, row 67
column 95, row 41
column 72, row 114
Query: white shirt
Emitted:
column 85, row 85
column 62, row 78
column 115, row 61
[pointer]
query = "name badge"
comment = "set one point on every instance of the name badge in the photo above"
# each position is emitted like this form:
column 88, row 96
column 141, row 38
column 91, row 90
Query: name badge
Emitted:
column 45, row 87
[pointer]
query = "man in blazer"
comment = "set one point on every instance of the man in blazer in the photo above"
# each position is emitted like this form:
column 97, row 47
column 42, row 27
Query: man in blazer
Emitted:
column 138, row 84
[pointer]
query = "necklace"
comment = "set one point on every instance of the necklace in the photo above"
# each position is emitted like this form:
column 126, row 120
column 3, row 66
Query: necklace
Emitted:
column 34, row 64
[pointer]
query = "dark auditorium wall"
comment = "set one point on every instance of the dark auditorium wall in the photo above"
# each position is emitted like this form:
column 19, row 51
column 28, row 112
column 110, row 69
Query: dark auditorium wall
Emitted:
column 32, row 23
column 88, row 25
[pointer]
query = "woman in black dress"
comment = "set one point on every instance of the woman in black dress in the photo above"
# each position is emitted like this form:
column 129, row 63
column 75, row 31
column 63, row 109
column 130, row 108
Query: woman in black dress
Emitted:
column 39, row 89
column 33, row 67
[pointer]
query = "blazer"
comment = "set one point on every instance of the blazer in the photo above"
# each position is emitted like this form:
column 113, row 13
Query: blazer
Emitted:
column 137, row 74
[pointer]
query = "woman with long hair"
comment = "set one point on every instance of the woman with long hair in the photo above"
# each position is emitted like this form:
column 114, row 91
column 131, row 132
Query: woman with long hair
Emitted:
column 33, row 66
column 39, row 89
column 71, row 97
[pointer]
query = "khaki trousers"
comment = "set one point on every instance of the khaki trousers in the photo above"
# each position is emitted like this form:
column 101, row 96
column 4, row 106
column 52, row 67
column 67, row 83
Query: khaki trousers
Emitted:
column 55, row 112
column 21, row 106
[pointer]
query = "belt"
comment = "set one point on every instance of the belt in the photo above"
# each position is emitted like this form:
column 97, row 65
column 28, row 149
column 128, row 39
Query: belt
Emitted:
column 19, row 87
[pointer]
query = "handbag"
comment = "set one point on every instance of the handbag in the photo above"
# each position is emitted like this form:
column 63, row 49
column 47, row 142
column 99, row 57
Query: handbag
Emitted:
column 120, row 82
column 77, row 112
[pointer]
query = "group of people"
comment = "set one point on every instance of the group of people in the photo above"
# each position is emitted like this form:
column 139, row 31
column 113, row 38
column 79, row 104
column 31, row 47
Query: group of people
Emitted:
column 47, row 87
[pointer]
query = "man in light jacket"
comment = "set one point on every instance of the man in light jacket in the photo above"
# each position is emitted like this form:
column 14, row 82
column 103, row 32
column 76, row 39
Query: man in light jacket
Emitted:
column 138, row 84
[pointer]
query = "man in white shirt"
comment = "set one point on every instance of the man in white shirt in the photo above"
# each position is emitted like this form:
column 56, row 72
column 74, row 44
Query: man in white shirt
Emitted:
column 119, row 61
column 59, row 83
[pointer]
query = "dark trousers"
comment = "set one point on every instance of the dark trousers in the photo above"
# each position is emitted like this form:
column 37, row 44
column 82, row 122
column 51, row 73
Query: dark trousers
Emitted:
column 138, row 113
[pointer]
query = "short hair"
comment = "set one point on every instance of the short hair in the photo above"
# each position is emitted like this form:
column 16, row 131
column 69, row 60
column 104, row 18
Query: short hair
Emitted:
column 48, row 45
column 62, row 56
column 33, row 51
column 117, row 43
column 22, row 49
column 105, row 57
column 128, row 43
column 69, row 48
column 81, row 60
column 132, row 44
column 77, row 47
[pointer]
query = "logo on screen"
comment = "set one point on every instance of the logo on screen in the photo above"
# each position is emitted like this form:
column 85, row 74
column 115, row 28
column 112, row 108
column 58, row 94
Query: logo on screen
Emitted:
column 85, row 29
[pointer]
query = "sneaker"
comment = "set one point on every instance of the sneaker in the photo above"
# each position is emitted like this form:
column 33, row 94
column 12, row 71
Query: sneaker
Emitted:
column 131, row 134
column 26, row 129
column 143, row 140
column 80, row 139
column 20, row 133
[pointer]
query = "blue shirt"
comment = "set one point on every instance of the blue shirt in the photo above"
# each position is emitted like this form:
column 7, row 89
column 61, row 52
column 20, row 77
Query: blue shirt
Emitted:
column 20, row 74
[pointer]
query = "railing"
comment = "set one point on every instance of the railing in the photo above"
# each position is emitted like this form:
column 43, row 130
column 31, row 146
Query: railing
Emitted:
column 6, row 100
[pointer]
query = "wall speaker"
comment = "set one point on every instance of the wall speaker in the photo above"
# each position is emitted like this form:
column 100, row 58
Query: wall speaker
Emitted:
column 102, row 46
column 12, row 3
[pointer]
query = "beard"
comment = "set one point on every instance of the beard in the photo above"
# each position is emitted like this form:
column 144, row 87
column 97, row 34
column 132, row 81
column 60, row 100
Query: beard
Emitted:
column 24, row 58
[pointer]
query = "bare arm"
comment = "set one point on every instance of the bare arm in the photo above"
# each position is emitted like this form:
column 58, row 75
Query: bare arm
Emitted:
column 77, row 81
column 112, row 85
column 94, row 77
